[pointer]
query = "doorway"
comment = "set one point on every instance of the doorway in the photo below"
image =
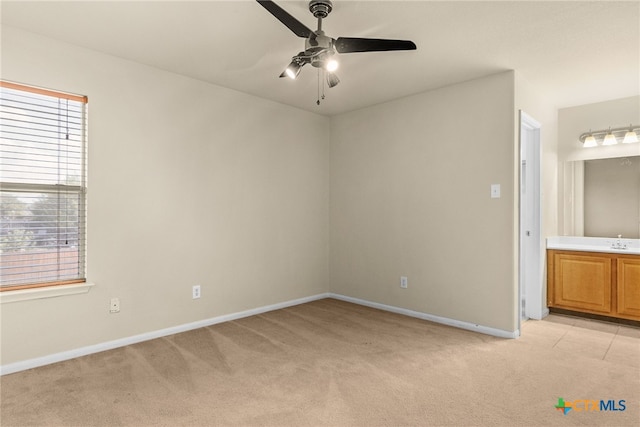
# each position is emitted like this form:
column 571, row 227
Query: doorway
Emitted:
column 531, row 268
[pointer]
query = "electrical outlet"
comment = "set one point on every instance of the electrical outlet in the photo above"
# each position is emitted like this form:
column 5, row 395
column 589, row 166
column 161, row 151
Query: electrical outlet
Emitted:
column 404, row 282
column 195, row 292
column 114, row 306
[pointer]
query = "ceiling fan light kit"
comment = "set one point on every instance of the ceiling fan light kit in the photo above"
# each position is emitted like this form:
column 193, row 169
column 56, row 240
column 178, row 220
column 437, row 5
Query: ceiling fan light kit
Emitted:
column 292, row 70
column 332, row 80
column 320, row 49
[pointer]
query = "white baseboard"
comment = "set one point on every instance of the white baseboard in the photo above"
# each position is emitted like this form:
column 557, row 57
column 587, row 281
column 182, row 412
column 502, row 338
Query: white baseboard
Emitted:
column 437, row 319
column 110, row 345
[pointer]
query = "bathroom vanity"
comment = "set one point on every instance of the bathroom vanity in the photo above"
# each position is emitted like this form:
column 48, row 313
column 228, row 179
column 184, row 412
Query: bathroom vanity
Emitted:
column 594, row 275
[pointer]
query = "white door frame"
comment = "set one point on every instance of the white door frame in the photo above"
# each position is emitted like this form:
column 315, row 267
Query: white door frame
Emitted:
column 531, row 268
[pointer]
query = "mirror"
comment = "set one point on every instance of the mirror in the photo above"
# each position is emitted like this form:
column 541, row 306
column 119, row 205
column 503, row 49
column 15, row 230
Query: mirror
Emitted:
column 606, row 197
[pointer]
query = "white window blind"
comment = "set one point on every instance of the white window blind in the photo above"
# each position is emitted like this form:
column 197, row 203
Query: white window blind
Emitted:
column 42, row 186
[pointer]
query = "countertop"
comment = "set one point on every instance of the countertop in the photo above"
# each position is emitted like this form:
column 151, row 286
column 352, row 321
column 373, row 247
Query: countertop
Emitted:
column 595, row 244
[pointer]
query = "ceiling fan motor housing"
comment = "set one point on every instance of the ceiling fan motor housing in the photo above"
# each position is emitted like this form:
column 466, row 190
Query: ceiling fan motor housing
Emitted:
column 318, row 41
column 319, row 48
column 320, row 8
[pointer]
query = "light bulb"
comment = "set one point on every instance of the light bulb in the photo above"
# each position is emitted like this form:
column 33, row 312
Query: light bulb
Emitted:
column 630, row 137
column 610, row 139
column 332, row 65
column 290, row 73
column 589, row 142
column 293, row 70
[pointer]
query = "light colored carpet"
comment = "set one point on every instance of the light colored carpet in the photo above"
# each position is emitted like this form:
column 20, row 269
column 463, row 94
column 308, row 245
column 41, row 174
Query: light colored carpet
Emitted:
column 332, row 363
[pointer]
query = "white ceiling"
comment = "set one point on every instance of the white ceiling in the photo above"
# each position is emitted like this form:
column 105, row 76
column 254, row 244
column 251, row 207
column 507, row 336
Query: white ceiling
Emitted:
column 576, row 52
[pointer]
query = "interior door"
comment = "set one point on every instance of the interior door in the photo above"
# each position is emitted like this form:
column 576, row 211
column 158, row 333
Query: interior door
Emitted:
column 530, row 289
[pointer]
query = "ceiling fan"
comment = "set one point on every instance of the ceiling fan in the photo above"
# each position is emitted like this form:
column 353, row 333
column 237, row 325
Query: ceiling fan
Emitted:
column 319, row 49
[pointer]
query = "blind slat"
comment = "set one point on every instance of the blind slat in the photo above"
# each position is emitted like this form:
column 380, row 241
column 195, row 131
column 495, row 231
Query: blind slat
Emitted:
column 42, row 186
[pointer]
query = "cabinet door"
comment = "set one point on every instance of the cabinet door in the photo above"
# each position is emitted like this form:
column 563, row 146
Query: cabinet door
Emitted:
column 583, row 282
column 629, row 288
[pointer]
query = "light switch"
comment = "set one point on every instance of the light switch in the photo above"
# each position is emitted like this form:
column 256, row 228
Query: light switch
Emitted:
column 495, row 191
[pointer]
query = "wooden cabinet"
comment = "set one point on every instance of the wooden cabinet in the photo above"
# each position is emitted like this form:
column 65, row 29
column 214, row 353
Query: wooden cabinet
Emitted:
column 592, row 282
column 582, row 281
column 628, row 287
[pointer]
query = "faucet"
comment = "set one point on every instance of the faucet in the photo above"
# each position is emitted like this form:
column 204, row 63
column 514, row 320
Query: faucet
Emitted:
column 618, row 244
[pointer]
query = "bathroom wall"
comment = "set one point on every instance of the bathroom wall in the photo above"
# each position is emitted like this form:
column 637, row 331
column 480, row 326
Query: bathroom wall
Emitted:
column 573, row 121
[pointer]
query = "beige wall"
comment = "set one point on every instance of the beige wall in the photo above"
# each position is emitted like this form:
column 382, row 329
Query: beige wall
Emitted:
column 189, row 183
column 410, row 195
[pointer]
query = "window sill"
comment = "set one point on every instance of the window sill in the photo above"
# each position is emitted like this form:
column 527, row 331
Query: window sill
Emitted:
column 47, row 292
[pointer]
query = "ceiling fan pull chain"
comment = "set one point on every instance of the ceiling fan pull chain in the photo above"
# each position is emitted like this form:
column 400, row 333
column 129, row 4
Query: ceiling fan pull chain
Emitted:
column 322, row 80
column 318, row 101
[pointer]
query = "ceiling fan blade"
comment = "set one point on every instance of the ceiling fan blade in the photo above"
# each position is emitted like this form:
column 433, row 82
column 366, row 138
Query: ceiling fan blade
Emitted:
column 283, row 16
column 355, row 44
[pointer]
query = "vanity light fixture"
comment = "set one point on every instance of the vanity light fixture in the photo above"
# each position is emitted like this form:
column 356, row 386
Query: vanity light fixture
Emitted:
column 610, row 139
column 630, row 136
column 610, row 136
column 590, row 141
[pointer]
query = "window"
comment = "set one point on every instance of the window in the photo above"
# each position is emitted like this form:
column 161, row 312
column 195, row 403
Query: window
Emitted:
column 42, row 187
